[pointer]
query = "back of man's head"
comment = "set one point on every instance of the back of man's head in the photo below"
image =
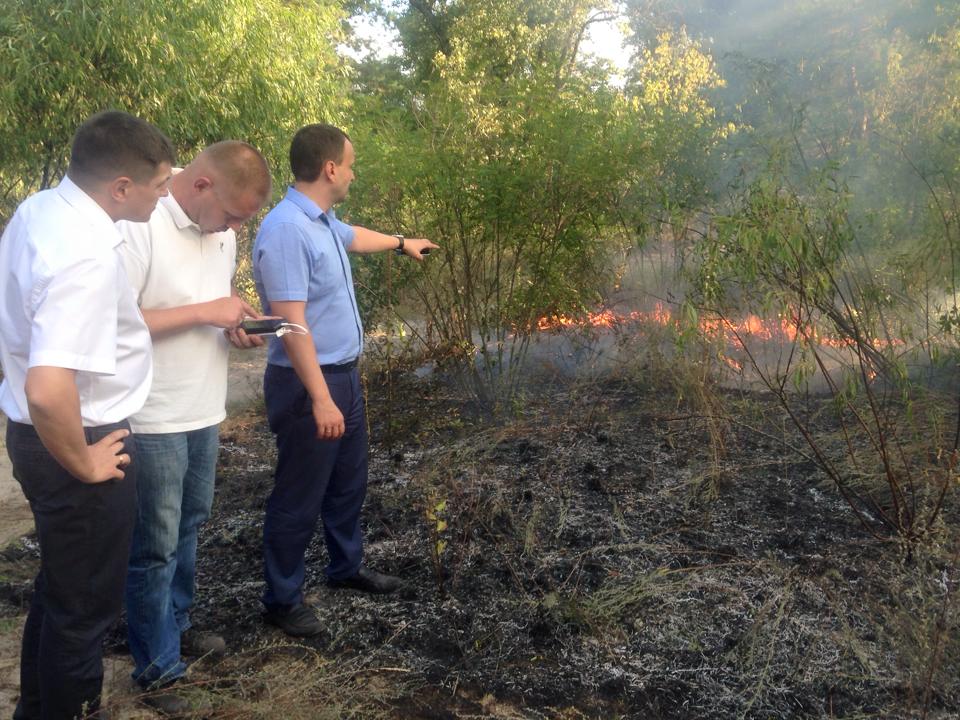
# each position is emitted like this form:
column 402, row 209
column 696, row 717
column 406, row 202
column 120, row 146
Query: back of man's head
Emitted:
column 312, row 146
column 240, row 166
column 112, row 144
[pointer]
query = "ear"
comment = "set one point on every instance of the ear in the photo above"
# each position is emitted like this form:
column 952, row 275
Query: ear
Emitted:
column 119, row 188
column 202, row 183
column 329, row 169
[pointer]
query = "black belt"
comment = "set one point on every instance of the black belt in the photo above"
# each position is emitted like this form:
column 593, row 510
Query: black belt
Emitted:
column 341, row 368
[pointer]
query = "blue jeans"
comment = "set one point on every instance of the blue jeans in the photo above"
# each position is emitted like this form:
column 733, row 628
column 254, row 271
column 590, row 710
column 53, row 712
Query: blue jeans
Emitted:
column 175, row 493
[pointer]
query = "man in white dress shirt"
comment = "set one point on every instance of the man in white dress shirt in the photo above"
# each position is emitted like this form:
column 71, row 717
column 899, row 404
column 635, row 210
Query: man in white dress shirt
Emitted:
column 76, row 360
column 181, row 265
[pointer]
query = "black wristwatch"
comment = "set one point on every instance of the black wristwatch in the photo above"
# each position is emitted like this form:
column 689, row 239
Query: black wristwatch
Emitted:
column 399, row 249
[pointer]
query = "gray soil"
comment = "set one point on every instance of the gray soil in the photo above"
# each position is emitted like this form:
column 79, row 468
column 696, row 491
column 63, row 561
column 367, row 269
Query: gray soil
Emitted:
column 607, row 549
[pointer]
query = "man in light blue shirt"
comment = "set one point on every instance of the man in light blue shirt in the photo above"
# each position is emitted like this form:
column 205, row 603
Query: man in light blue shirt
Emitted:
column 319, row 271
column 312, row 389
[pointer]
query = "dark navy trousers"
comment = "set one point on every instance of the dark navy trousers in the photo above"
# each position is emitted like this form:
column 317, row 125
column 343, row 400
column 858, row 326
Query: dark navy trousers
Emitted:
column 84, row 533
column 315, row 479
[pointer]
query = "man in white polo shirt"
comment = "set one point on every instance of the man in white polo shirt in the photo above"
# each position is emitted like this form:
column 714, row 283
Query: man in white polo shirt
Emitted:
column 76, row 360
column 181, row 266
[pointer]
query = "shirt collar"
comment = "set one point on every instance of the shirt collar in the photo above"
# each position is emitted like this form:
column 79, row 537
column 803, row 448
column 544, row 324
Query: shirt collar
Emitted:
column 76, row 198
column 308, row 206
column 177, row 213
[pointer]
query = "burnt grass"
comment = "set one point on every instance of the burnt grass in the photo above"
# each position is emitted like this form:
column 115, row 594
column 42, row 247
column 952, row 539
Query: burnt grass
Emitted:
column 604, row 551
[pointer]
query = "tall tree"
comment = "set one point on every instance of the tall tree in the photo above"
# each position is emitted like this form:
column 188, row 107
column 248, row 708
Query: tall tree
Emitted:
column 202, row 70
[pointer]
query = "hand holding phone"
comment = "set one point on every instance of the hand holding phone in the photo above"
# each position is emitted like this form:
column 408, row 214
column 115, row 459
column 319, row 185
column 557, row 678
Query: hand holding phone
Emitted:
column 265, row 326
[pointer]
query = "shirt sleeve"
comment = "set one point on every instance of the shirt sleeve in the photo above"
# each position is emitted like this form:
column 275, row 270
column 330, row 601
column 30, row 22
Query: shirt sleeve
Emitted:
column 75, row 318
column 343, row 232
column 284, row 262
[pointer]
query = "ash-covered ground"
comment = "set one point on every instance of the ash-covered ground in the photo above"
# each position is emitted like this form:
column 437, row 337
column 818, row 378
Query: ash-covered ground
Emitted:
column 605, row 551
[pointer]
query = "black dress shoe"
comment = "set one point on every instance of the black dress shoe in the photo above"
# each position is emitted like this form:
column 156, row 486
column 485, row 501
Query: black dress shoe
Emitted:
column 298, row 622
column 367, row 580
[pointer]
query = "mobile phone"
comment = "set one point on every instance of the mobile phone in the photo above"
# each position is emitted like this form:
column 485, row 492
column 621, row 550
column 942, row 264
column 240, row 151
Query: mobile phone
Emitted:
column 267, row 326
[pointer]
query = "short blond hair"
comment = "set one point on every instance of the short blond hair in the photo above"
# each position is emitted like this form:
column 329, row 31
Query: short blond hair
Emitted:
column 240, row 165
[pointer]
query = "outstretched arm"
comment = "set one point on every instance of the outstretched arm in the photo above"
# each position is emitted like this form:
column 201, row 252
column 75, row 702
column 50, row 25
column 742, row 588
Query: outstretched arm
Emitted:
column 371, row 241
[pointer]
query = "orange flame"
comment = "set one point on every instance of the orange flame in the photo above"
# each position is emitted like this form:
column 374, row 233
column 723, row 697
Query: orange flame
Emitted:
column 785, row 328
